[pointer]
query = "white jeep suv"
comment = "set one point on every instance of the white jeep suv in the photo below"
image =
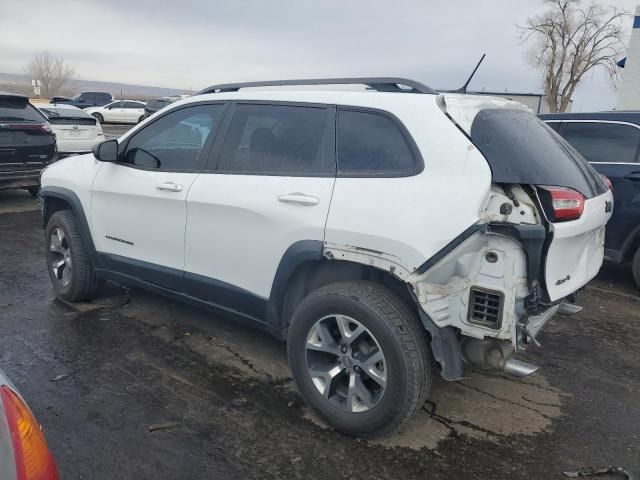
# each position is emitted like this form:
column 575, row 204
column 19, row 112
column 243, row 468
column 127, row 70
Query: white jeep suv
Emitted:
column 387, row 234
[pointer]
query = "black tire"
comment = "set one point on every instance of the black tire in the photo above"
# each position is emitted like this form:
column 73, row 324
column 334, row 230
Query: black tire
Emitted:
column 34, row 191
column 141, row 118
column 635, row 267
column 98, row 117
column 400, row 337
column 83, row 284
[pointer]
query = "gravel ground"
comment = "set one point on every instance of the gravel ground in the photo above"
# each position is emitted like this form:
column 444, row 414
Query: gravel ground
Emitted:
column 222, row 405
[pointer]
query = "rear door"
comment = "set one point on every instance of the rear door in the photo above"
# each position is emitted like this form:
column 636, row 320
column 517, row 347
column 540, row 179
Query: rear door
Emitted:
column 268, row 186
column 138, row 208
column 133, row 111
column 612, row 149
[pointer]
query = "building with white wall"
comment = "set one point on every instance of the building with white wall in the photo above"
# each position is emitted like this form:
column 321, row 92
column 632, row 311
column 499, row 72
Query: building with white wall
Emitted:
column 629, row 92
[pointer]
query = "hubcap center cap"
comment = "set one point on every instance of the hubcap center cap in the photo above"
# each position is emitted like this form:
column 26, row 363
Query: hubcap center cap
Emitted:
column 347, row 361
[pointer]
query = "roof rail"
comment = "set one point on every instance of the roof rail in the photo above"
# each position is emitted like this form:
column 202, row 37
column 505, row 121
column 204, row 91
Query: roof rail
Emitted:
column 380, row 84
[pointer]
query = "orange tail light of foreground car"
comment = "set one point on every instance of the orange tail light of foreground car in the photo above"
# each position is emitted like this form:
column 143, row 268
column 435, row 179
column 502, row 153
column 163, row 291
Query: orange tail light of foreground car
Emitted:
column 33, row 459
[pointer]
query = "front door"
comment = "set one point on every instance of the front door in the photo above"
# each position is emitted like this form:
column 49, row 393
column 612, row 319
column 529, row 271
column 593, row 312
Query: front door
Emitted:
column 269, row 186
column 138, row 206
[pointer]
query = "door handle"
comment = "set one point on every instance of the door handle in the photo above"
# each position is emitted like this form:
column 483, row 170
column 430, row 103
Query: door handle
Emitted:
column 169, row 187
column 633, row 177
column 299, row 198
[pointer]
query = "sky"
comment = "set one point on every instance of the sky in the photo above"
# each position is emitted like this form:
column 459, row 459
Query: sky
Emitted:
column 189, row 44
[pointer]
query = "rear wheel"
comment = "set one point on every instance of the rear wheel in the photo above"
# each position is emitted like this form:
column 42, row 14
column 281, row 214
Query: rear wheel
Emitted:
column 98, row 117
column 68, row 263
column 359, row 357
column 635, row 267
column 141, row 118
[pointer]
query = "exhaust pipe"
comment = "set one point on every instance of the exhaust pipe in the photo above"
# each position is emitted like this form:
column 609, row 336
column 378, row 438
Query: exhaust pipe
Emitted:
column 567, row 309
column 518, row 368
column 495, row 354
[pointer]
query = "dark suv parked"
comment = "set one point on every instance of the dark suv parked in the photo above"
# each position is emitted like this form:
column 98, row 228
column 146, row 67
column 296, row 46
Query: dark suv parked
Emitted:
column 86, row 99
column 610, row 141
column 156, row 104
column 27, row 143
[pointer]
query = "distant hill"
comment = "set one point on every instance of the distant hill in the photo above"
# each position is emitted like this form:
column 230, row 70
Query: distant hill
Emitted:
column 22, row 84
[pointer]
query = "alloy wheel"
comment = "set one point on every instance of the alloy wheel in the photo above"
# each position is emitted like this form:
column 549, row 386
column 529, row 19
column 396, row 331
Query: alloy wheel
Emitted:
column 61, row 263
column 346, row 364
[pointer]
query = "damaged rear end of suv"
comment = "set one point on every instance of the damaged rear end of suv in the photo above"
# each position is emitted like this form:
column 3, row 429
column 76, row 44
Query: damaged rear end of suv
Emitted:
column 539, row 238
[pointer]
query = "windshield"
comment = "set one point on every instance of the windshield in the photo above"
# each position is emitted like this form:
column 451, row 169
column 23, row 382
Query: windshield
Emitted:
column 520, row 148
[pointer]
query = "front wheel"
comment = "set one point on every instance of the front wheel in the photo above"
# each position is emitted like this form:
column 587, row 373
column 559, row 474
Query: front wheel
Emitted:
column 142, row 117
column 359, row 357
column 98, row 117
column 68, row 263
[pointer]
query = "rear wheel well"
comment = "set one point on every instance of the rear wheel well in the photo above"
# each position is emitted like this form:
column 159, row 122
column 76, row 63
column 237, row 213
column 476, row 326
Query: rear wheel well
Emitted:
column 312, row 275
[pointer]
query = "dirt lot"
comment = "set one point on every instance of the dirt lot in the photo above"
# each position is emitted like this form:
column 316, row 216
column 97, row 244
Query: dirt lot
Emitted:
column 132, row 360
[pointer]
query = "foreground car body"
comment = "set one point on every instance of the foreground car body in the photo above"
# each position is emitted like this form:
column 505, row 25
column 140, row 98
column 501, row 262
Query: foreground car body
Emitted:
column 24, row 454
column 349, row 223
column 610, row 141
column 76, row 131
column 27, row 143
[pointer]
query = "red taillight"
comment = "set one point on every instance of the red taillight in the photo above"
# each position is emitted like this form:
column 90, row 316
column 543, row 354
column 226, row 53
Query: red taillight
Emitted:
column 564, row 203
column 32, row 128
column 32, row 456
column 607, row 181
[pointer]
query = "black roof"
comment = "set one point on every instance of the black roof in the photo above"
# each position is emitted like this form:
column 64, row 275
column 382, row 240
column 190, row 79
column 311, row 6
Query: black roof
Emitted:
column 12, row 95
column 629, row 116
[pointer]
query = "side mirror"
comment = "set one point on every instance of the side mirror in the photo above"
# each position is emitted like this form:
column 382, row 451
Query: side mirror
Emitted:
column 106, row 151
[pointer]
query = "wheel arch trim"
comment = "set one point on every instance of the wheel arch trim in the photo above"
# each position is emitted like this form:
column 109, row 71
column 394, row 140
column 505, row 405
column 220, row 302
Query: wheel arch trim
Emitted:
column 70, row 197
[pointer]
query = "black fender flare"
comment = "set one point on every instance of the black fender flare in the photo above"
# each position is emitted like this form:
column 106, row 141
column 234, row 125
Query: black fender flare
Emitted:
column 298, row 253
column 70, row 197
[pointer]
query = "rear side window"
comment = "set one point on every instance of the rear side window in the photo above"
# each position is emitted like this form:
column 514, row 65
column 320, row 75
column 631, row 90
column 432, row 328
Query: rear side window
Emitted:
column 176, row 141
column 603, row 142
column 133, row 105
column 373, row 144
column 276, row 140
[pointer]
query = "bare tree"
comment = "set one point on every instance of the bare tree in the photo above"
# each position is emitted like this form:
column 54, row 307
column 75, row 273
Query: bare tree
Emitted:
column 569, row 41
column 52, row 71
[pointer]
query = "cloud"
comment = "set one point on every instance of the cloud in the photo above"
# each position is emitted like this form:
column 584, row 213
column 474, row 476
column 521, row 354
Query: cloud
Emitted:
column 191, row 44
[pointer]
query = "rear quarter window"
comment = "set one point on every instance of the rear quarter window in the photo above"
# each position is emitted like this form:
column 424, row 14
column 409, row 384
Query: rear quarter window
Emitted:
column 374, row 144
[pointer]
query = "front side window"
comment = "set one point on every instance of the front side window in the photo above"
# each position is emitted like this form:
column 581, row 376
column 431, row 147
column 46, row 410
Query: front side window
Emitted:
column 372, row 144
column 115, row 105
column 175, row 141
column 603, row 142
column 276, row 140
